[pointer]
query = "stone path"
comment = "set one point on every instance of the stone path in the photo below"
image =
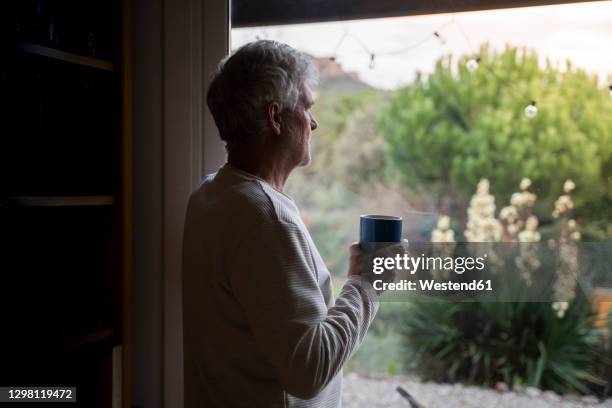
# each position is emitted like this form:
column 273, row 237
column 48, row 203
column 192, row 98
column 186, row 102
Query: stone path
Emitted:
column 360, row 392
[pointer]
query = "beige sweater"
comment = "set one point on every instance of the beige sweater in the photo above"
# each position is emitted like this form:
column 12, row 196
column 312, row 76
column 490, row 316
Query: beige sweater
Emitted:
column 261, row 328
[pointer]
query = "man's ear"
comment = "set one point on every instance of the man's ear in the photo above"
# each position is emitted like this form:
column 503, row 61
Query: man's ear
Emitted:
column 273, row 115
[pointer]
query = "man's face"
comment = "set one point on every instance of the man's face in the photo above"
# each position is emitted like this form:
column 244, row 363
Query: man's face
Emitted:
column 302, row 122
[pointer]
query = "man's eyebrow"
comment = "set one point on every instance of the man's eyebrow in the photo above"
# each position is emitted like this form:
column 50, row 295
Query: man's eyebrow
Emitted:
column 307, row 101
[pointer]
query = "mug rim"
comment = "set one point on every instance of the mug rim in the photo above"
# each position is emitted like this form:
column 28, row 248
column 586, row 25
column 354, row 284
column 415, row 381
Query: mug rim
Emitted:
column 381, row 217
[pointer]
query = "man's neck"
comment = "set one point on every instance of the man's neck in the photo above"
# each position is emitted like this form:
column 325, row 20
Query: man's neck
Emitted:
column 270, row 167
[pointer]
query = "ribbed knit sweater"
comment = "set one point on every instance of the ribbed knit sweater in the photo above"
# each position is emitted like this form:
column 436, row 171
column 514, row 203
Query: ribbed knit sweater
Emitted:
column 261, row 327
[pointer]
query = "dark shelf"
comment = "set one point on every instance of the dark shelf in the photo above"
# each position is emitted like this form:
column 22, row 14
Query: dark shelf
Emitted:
column 65, row 227
column 62, row 201
column 91, row 338
column 64, row 56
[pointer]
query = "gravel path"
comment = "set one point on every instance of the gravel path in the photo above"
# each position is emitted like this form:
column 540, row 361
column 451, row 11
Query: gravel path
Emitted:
column 360, row 392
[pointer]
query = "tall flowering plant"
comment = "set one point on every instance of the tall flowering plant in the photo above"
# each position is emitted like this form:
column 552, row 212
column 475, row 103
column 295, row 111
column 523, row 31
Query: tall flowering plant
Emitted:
column 516, row 222
column 567, row 270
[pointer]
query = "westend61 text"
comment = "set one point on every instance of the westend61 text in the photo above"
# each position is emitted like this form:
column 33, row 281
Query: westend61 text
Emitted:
column 430, row 284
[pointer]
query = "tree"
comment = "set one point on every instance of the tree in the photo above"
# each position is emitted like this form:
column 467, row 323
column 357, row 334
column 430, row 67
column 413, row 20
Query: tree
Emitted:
column 455, row 127
column 358, row 156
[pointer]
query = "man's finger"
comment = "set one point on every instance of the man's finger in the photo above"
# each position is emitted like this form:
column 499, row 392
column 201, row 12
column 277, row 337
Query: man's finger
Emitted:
column 398, row 248
column 355, row 249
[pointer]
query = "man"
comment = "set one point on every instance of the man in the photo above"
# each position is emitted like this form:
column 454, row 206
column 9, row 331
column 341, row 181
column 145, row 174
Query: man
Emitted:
column 261, row 328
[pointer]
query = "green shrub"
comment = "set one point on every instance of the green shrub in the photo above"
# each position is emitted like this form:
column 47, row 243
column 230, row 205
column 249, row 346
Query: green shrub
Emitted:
column 604, row 362
column 517, row 343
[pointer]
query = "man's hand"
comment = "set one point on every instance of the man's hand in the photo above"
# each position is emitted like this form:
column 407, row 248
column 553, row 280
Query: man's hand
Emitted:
column 360, row 262
column 355, row 259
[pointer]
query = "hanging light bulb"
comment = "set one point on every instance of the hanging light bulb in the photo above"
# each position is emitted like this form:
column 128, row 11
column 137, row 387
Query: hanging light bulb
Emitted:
column 335, row 59
column 531, row 110
column 371, row 65
column 439, row 37
column 472, row 64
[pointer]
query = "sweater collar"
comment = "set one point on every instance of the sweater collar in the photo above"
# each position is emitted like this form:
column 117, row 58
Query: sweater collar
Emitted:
column 246, row 175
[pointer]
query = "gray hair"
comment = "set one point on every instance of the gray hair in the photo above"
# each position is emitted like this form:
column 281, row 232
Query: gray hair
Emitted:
column 246, row 82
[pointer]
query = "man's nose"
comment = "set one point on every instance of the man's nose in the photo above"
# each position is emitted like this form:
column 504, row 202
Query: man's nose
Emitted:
column 313, row 123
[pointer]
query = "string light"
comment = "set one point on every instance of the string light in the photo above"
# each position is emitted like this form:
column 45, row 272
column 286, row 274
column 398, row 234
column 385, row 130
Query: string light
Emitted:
column 410, row 47
column 531, row 110
column 371, row 65
column 472, row 64
column 439, row 37
column 465, row 36
column 334, row 54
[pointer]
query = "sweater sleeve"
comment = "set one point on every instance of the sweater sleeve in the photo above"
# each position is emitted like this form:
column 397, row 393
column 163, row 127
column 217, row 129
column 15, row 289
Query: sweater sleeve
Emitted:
column 274, row 279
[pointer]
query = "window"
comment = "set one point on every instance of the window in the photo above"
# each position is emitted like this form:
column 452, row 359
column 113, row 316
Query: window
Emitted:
column 418, row 115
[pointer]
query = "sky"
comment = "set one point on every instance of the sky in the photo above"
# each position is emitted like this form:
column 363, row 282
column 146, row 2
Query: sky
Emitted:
column 580, row 32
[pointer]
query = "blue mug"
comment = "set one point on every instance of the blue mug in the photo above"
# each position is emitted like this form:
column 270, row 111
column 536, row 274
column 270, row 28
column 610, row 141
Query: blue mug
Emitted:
column 379, row 229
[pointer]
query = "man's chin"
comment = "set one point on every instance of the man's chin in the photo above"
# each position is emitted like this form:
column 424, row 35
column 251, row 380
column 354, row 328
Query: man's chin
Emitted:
column 306, row 161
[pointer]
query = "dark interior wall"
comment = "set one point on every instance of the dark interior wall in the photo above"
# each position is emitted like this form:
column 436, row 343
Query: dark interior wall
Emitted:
column 147, row 362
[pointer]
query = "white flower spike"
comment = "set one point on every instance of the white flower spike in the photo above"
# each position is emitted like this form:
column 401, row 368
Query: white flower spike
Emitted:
column 525, row 183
